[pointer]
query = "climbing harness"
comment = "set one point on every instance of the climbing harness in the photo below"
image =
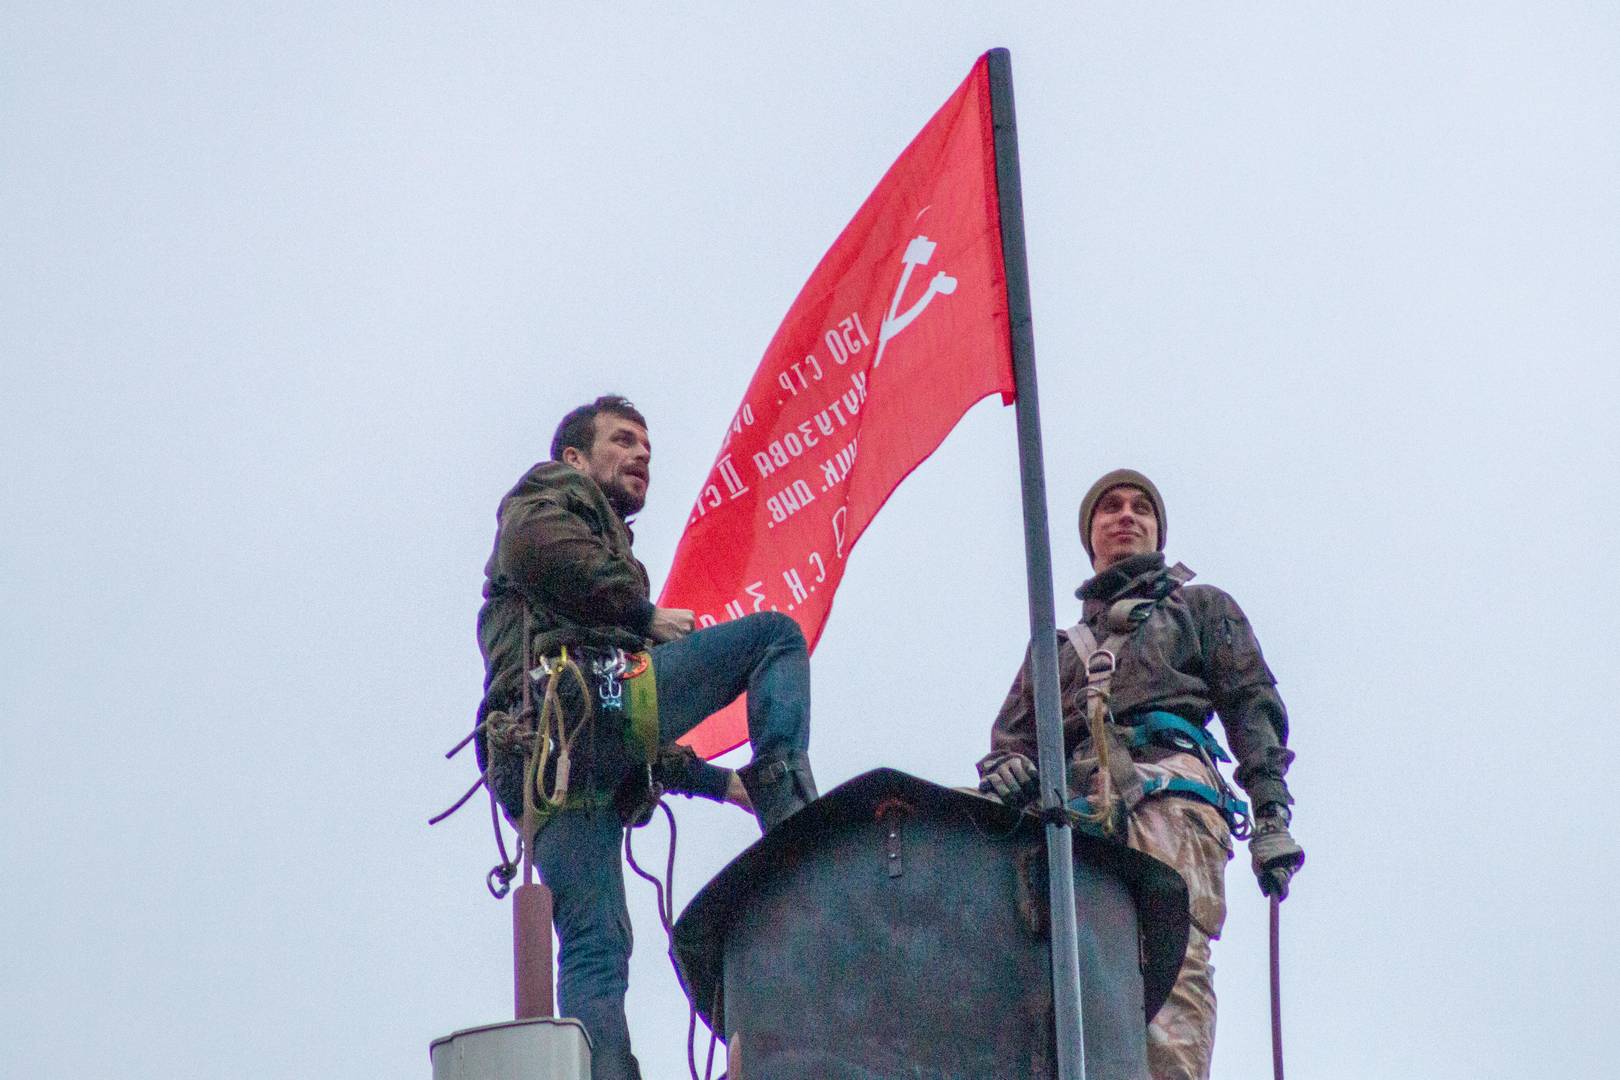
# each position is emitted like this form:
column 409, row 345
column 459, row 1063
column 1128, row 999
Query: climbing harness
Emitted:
column 1234, row 810
column 618, row 683
column 544, row 741
column 1160, row 728
column 1121, row 786
column 1172, row 732
column 502, row 730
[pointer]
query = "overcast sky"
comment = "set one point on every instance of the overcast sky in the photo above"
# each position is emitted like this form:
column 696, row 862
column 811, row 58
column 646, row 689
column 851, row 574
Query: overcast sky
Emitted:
column 291, row 293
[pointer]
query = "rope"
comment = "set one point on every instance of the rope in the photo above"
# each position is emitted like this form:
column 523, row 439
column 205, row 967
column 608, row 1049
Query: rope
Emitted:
column 1096, row 723
column 665, row 899
column 542, row 740
column 499, row 879
column 665, row 889
column 459, row 803
column 505, row 733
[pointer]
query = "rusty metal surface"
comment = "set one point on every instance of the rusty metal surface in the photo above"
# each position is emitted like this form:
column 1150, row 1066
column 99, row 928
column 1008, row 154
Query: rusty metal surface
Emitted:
column 531, row 952
column 895, row 927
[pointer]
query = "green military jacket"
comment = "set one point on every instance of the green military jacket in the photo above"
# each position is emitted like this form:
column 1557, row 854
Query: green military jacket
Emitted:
column 1195, row 656
column 562, row 560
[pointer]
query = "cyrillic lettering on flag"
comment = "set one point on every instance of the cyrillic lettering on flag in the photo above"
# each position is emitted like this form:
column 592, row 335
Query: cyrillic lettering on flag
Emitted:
column 899, row 331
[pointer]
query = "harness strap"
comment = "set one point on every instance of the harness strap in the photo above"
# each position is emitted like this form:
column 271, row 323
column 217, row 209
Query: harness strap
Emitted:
column 1175, row 732
column 1233, row 809
column 1120, row 778
column 642, row 731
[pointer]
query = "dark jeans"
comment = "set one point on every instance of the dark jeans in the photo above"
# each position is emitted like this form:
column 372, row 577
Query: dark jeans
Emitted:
column 578, row 850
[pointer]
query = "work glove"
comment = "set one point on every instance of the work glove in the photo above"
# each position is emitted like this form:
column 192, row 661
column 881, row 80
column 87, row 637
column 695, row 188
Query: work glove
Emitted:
column 1273, row 852
column 1014, row 781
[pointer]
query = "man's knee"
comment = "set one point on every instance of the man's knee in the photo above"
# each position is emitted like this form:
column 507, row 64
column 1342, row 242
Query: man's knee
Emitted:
column 782, row 629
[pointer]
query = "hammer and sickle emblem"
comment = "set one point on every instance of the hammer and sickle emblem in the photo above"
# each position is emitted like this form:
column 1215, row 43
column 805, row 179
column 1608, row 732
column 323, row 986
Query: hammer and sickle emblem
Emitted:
column 918, row 252
column 839, row 517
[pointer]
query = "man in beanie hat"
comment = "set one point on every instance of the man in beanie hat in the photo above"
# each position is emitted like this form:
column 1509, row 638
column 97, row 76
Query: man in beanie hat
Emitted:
column 1152, row 659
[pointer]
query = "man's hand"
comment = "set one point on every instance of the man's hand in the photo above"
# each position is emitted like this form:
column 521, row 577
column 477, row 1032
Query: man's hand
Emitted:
column 670, row 624
column 1014, row 781
column 736, row 794
column 1274, row 854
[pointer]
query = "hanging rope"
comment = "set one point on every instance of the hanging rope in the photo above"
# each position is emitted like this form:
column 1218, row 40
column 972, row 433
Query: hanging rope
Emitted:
column 664, row 889
column 550, row 733
column 533, row 741
column 665, row 898
column 1276, row 992
column 1097, row 716
column 499, row 879
column 546, row 745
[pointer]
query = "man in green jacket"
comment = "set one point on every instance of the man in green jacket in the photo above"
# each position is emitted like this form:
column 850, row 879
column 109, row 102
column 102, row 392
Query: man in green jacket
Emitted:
column 1152, row 659
column 587, row 686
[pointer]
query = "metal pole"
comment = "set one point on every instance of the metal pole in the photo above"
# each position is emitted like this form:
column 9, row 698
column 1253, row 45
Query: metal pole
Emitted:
column 532, row 995
column 531, row 951
column 1038, row 560
column 1276, row 993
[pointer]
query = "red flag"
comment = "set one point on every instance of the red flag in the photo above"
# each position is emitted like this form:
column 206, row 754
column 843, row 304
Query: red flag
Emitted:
column 901, row 329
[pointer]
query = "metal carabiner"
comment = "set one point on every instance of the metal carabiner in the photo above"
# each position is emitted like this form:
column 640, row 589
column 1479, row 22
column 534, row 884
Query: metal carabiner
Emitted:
column 502, row 873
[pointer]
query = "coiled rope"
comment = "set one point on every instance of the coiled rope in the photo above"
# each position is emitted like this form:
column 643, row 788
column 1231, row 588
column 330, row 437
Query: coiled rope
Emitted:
column 550, row 733
column 505, row 733
column 534, row 744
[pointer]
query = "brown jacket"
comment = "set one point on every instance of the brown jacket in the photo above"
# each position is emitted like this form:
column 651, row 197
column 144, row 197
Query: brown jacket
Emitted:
column 1194, row 656
column 562, row 548
column 562, row 558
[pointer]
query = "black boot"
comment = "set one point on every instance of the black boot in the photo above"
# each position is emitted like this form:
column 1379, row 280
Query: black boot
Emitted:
column 779, row 785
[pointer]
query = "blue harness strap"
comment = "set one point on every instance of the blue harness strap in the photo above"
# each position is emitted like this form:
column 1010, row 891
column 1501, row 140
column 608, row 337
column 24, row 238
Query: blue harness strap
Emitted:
column 1232, row 808
column 1167, row 729
column 1159, row 728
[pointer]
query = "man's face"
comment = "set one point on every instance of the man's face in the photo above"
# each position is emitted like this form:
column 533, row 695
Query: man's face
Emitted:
column 619, row 462
column 1122, row 525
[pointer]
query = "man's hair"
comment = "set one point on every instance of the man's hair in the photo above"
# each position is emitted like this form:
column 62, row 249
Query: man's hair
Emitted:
column 578, row 428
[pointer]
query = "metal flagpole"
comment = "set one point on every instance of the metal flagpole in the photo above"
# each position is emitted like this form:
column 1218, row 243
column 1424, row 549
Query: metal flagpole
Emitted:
column 1038, row 560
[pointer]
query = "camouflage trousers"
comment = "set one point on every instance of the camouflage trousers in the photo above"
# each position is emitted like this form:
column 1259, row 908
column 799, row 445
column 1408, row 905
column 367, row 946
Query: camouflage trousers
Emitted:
column 1193, row 837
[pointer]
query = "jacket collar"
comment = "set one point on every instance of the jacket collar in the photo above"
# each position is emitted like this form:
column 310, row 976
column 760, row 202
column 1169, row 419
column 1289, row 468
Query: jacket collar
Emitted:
column 1124, row 576
column 1138, row 576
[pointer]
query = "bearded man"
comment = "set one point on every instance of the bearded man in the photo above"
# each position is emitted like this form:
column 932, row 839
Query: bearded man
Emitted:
column 587, row 686
column 1151, row 661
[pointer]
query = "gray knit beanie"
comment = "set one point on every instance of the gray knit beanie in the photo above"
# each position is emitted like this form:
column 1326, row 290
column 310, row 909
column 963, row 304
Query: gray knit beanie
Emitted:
column 1118, row 478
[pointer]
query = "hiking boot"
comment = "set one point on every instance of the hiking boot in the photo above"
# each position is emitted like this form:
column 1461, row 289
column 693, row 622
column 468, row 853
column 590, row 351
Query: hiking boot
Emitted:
column 779, row 785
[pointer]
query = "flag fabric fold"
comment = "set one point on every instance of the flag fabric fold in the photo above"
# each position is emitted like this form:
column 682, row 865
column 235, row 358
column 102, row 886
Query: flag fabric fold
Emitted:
column 900, row 330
